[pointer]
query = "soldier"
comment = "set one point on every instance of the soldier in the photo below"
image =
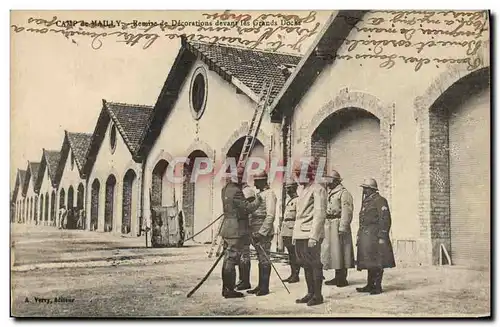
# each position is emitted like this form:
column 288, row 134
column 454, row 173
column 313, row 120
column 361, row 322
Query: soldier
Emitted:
column 244, row 265
column 308, row 233
column 234, row 231
column 62, row 216
column 373, row 242
column 337, row 251
column 287, row 230
column 262, row 231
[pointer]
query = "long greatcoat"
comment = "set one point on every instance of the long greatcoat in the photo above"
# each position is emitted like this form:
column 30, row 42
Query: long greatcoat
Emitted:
column 236, row 210
column 374, row 224
column 337, row 250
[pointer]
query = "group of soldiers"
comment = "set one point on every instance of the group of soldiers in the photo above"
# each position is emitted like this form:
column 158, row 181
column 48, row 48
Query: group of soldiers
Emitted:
column 71, row 218
column 316, row 231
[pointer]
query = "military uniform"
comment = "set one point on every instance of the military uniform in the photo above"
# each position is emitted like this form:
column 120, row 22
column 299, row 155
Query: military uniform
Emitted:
column 374, row 225
column 234, row 231
column 310, row 225
column 337, row 250
column 262, row 225
column 244, row 266
column 287, row 234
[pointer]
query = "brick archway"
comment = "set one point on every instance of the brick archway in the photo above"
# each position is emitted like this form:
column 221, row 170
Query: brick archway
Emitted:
column 431, row 114
column 242, row 132
column 366, row 102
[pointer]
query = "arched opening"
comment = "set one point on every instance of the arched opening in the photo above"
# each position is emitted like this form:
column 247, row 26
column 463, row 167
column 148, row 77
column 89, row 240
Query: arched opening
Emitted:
column 35, row 210
column 71, row 198
column 162, row 190
column 129, row 204
column 459, row 169
column 29, row 209
column 46, row 216
column 41, row 209
column 80, row 196
column 197, row 200
column 235, row 151
column 62, row 198
column 350, row 140
column 109, row 205
column 53, row 207
column 94, row 204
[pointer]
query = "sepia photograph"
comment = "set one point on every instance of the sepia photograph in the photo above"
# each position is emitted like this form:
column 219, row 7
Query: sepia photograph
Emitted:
column 258, row 163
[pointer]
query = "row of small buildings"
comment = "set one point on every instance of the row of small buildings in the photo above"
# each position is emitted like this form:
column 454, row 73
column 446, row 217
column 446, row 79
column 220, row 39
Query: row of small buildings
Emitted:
column 423, row 135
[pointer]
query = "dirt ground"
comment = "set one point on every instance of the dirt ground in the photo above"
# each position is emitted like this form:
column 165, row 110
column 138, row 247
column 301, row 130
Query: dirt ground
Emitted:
column 102, row 275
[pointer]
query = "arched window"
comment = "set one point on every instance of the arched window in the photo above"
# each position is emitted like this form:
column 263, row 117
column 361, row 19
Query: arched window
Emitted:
column 198, row 93
column 112, row 137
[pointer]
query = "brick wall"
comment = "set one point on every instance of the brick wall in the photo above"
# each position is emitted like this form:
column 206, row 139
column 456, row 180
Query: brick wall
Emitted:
column 188, row 201
column 108, row 209
column 94, row 206
column 127, row 205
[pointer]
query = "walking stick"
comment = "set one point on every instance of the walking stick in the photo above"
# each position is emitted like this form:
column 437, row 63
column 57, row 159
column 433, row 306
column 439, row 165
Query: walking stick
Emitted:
column 277, row 273
column 207, row 275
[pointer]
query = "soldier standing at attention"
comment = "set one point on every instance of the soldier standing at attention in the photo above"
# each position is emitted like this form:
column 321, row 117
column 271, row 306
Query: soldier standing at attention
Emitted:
column 337, row 251
column 244, row 265
column 234, row 231
column 308, row 233
column 374, row 245
column 287, row 230
column 262, row 231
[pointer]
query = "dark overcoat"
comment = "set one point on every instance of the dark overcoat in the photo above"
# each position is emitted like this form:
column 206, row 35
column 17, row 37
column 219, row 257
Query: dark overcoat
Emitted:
column 374, row 224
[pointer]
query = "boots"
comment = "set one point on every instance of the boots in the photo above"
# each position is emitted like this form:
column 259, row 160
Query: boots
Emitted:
column 317, row 298
column 294, row 277
column 341, row 277
column 244, row 272
column 377, row 287
column 228, row 281
column 264, row 285
column 369, row 283
column 256, row 289
column 308, row 272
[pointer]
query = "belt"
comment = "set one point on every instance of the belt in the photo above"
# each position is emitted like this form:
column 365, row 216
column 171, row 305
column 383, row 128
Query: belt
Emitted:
column 332, row 217
column 289, row 220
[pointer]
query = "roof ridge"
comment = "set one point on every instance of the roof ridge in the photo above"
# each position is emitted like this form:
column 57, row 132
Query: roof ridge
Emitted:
column 130, row 104
column 245, row 48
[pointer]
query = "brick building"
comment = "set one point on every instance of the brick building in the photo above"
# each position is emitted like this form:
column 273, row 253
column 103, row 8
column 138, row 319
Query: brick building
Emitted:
column 69, row 178
column 112, row 171
column 33, row 205
column 18, row 197
column 203, row 111
column 46, row 185
column 423, row 134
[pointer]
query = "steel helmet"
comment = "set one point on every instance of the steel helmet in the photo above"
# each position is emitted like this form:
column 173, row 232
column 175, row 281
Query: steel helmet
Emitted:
column 335, row 175
column 290, row 184
column 260, row 176
column 370, row 183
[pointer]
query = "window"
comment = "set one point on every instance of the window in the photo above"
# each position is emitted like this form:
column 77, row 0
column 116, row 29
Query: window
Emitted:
column 112, row 137
column 72, row 161
column 198, row 92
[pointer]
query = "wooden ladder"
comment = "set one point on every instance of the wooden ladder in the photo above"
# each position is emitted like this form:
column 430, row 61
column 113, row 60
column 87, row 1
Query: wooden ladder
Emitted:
column 253, row 130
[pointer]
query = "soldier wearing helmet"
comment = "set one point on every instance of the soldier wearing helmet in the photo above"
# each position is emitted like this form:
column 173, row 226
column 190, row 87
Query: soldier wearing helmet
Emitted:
column 287, row 230
column 308, row 233
column 337, row 251
column 373, row 242
column 262, row 231
column 234, row 230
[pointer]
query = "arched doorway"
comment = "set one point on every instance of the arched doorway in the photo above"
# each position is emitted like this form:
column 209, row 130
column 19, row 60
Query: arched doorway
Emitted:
column 109, row 206
column 40, row 219
column 35, row 210
column 350, row 139
column 46, row 207
column 197, row 200
column 459, row 168
column 235, row 151
column 162, row 190
column 62, row 198
column 129, row 204
column 71, row 198
column 53, row 207
column 94, row 204
column 80, row 194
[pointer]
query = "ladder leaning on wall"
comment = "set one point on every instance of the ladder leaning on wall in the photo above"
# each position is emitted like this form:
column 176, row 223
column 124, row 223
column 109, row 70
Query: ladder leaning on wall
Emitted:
column 253, row 130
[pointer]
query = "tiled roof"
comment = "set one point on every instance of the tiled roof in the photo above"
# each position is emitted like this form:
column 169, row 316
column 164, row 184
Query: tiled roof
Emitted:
column 22, row 176
column 34, row 167
column 131, row 120
column 249, row 66
column 52, row 159
column 79, row 143
column 19, row 183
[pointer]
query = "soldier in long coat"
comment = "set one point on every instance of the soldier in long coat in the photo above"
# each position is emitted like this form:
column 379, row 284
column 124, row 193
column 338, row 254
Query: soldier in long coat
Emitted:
column 262, row 231
column 337, row 250
column 309, row 232
column 234, row 231
column 374, row 245
column 287, row 230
